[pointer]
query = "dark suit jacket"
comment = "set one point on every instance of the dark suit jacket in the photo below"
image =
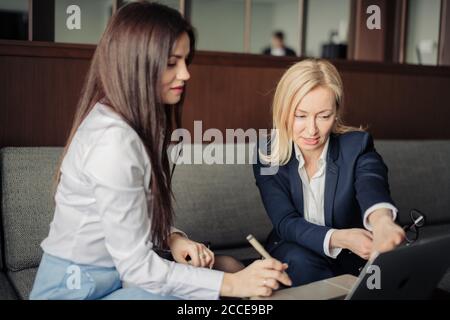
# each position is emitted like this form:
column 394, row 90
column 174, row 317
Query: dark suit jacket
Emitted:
column 287, row 52
column 356, row 179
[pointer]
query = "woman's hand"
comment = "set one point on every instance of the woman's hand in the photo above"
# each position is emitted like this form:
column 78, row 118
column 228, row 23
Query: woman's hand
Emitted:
column 386, row 233
column 182, row 248
column 359, row 241
column 258, row 279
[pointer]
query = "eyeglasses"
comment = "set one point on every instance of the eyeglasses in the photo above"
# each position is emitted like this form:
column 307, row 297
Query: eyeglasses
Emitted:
column 412, row 230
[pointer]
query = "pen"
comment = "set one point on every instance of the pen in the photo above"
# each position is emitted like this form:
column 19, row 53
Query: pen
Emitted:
column 258, row 247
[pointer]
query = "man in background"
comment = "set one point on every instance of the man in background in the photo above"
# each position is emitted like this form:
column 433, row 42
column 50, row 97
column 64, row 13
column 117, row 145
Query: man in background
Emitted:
column 277, row 47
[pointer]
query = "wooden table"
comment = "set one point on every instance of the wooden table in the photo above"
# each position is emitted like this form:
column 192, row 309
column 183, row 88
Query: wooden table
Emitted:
column 329, row 289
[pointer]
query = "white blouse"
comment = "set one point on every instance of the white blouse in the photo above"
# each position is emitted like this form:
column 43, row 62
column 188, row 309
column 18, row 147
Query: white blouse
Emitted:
column 101, row 213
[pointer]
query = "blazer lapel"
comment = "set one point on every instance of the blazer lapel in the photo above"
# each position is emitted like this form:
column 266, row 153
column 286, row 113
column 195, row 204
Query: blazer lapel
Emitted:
column 331, row 179
column 295, row 183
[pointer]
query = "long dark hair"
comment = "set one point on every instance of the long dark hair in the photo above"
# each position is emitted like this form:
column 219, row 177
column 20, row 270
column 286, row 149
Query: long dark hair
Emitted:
column 125, row 74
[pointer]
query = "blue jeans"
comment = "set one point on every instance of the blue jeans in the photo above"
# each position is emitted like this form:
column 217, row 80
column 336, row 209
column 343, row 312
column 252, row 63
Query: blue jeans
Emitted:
column 61, row 279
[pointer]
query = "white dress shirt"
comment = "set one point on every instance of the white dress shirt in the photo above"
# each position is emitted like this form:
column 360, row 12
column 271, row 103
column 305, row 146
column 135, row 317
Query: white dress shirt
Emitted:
column 314, row 195
column 101, row 215
column 277, row 52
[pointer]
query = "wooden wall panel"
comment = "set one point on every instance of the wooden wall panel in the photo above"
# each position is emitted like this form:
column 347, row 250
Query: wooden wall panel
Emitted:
column 230, row 97
column 383, row 45
column 370, row 45
column 398, row 106
column 444, row 34
column 38, row 99
column 40, row 85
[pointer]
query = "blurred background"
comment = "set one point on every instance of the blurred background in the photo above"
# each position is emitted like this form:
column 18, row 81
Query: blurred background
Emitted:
column 396, row 78
column 414, row 31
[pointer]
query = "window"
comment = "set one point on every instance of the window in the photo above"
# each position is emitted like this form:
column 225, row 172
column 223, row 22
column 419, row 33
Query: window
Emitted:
column 94, row 16
column 423, row 32
column 14, row 19
column 219, row 24
column 171, row 3
column 269, row 16
column 327, row 24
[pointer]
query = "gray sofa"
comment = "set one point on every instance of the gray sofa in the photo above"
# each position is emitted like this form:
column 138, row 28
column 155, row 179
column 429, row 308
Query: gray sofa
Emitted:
column 219, row 204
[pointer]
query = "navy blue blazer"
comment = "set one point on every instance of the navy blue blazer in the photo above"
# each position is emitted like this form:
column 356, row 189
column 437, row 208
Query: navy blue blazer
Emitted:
column 356, row 178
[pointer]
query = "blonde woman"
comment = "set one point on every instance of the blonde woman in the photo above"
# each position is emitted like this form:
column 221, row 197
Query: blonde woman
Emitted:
column 329, row 200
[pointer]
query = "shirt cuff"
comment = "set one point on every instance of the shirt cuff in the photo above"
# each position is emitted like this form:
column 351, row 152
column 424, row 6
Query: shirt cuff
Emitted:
column 333, row 253
column 193, row 283
column 175, row 230
column 377, row 206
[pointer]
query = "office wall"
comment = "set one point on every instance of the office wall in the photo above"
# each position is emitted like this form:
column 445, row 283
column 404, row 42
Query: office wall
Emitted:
column 40, row 84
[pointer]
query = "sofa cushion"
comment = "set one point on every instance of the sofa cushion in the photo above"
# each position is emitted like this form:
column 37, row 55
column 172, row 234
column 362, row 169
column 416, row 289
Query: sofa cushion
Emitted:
column 6, row 290
column 210, row 200
column 1, row 235
column 219, row 204
column 27, row 202
column 23, row 281
column 215, row 203
column 419, row 177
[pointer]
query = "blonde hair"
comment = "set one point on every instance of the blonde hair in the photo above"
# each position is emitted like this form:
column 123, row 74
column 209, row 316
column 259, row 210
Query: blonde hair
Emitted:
column 295, row 84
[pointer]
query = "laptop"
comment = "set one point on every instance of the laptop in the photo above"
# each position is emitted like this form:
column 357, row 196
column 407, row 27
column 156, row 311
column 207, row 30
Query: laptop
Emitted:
column 408, row 272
